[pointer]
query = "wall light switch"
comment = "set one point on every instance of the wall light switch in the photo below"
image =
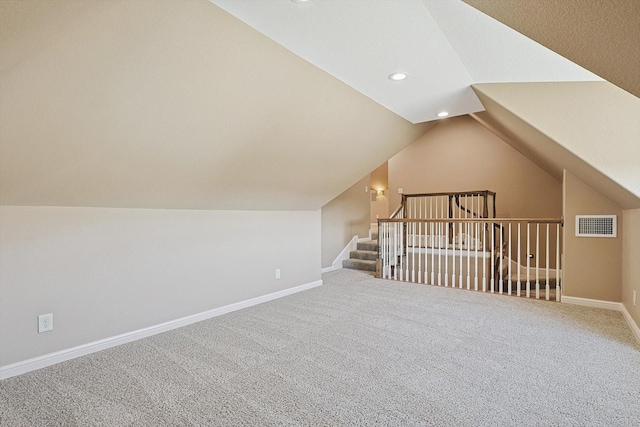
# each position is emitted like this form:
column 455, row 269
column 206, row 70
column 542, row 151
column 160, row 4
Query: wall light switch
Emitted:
column 400, row 190
column 277, row 273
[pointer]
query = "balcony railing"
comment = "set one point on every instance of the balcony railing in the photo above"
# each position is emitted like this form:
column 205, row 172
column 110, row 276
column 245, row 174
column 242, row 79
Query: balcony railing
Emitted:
column 519, row 257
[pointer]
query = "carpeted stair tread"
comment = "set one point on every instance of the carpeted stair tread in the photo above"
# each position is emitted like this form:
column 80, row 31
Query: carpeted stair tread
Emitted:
column 368, row 245
column 374, row 236
column 366, row 255
column 359, row 264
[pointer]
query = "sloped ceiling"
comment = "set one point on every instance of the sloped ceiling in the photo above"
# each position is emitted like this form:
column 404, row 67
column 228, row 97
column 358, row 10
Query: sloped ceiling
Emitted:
column 589, row 128
column 601, row 36
column 174, row 104
column 177, row 104
column 443, row 46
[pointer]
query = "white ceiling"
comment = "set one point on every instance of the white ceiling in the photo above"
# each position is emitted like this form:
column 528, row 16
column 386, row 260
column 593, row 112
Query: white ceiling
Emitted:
column 443, row 45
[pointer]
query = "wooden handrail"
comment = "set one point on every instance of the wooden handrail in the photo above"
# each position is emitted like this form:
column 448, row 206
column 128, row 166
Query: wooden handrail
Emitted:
column 454, row 193
column 479, row 220
column 397, row 211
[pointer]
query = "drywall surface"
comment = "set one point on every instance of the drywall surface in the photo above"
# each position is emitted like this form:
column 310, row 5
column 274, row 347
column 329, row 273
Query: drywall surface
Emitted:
column 460, row 155
column 601, row 36
column 592, row 265
column 631, row 262
column 176, row 105
column 104, row 272
column 379, row 203
column 596, row 123
column 344, row 217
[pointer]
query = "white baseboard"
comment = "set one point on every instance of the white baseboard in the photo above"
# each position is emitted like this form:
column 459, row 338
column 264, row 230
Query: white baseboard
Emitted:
column 633, row 325
column 39, row 362
column 608, row 305
column 327, row 269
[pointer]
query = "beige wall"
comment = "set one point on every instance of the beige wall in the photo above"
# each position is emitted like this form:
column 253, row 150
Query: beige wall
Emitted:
column 344, row 217
column 592, row 266
column 631, row 262
column 379, row 180
column 460, row 154
column 104, row 272
column 589, row 128
column 177, row 105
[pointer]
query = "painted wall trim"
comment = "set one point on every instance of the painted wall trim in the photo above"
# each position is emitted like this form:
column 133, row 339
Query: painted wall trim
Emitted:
column 344, row 254
column 39, row 362
column 608, row 305
column 633, row 325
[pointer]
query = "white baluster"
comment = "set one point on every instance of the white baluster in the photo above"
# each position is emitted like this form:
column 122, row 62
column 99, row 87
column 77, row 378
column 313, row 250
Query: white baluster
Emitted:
column 460, row 278
column 475, row 241
column 519, row 286
column 493, row 270
column 558, row 289
column 537, row 260
column 500, row 279
column 446, row 256
column 509, row 265
column 453, row 257
column 467, row 240
column 528, row 261
column 547, row 263
column 396, row 242
column 484, row 260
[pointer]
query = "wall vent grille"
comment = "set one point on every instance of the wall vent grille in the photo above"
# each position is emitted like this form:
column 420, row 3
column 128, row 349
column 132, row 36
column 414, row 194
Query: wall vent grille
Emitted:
column 596, row 226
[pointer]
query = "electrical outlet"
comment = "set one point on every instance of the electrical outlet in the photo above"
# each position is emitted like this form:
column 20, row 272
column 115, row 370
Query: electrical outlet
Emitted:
column 277, row 273
column 45, row 322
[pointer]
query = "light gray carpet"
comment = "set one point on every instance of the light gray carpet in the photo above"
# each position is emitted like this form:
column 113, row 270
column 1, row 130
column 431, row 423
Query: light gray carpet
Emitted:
column 356, row 351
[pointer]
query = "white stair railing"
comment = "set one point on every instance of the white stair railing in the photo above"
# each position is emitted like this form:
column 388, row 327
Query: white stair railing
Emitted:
column 488, row 255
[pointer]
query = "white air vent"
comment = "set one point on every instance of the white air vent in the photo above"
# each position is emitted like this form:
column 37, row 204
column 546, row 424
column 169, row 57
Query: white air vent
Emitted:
column 596, row 226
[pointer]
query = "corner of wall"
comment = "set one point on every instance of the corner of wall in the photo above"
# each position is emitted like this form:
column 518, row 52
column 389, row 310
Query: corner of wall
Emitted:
column 630, row 264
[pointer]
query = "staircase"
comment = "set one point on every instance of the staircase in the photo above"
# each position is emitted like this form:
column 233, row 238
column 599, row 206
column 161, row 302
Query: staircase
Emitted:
column 364, row 258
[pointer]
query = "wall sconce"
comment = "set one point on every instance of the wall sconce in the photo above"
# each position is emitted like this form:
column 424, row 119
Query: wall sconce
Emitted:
column 380, row 193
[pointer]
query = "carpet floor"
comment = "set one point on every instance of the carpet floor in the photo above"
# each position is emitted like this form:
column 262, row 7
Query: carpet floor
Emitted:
column 355, row 351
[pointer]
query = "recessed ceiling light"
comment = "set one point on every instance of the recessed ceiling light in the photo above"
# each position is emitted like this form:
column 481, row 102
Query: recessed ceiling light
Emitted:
column 301, row 1
column 443, row 114
column 397, row 76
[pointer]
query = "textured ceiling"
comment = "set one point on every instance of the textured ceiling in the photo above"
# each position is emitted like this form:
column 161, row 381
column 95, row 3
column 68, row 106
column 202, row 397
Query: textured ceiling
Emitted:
column 602, row 36
column 444, row 46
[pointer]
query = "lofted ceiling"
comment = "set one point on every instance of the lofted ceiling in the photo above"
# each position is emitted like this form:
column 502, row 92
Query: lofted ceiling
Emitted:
column 181, row 104
column 443, row 46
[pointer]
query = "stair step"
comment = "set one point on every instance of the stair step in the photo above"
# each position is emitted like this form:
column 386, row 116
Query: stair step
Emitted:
column 374, row 235
column 367, row 255
column 359, row 264
column 368, row 245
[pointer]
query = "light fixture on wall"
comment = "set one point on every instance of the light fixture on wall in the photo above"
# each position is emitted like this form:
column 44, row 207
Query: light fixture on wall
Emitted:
column 443, row 114
column 380, row 193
